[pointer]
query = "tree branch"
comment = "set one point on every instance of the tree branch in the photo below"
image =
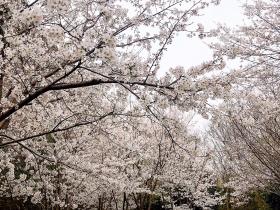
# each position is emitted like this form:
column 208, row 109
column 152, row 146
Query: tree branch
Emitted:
column 56, row 130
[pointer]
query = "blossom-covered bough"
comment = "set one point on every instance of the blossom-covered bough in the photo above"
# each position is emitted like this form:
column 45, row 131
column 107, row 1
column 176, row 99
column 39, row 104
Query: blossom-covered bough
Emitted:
column 49, row 46
column 85, row 121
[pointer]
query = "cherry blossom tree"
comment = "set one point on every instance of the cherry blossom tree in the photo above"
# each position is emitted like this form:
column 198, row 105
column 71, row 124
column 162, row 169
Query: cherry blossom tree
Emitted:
column 85, row 121
column 123, row 166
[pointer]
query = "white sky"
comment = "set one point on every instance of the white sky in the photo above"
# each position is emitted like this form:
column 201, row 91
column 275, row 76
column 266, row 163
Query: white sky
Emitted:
column 189, row 52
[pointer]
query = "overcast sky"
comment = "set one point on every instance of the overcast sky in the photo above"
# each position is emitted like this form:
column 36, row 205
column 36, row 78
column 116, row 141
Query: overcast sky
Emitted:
column 188, row 52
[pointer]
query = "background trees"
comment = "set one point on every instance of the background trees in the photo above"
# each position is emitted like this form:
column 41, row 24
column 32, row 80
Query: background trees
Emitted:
column 247, row 122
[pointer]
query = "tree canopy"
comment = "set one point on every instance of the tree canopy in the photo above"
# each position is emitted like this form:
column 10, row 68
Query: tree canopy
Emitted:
column 86, row 122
